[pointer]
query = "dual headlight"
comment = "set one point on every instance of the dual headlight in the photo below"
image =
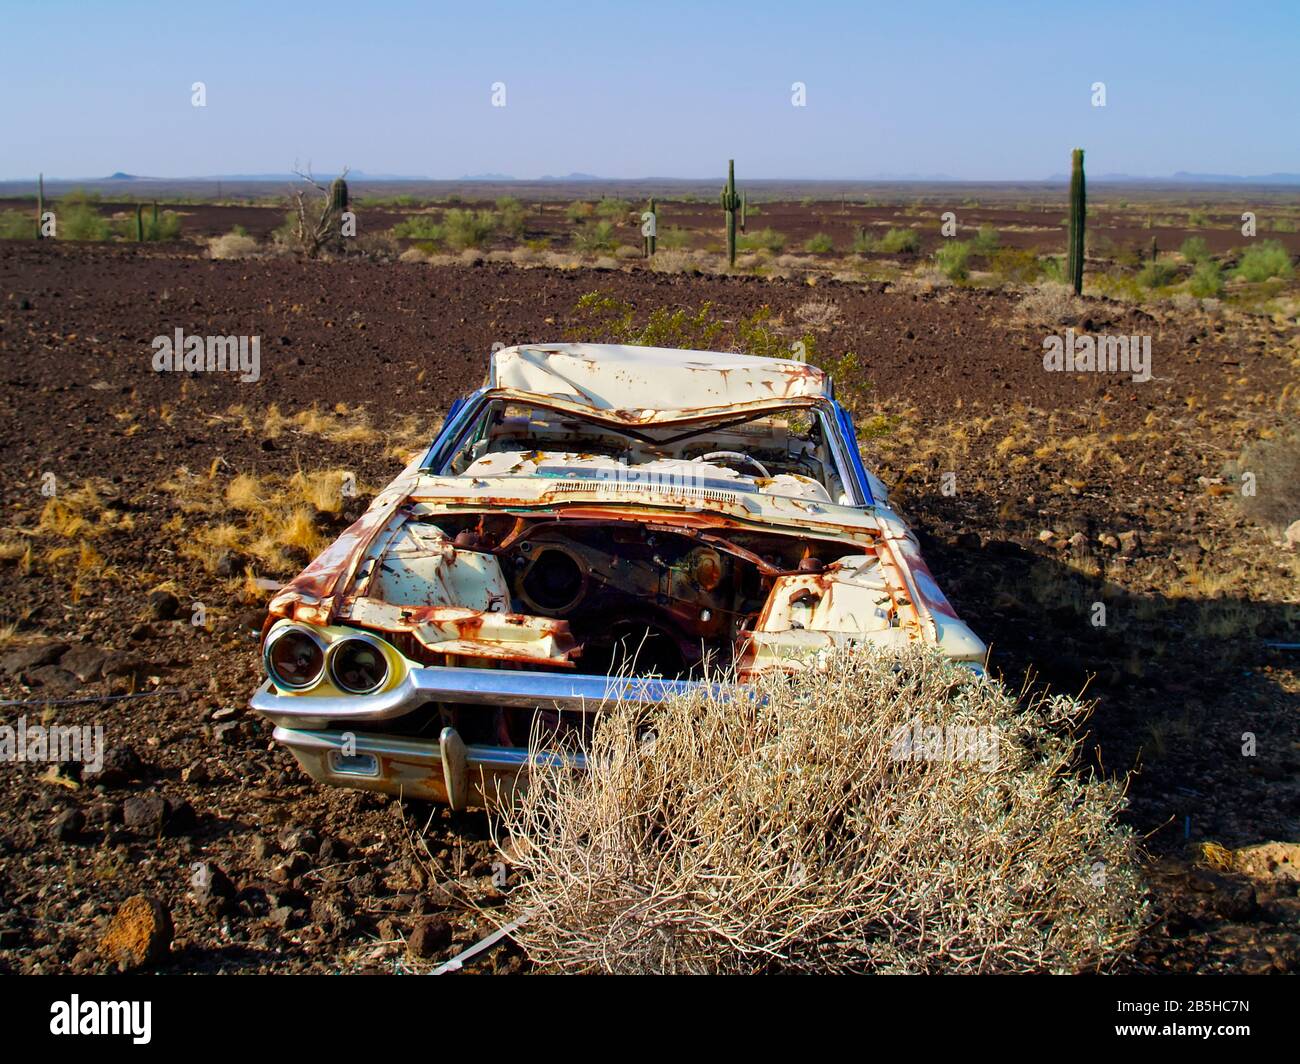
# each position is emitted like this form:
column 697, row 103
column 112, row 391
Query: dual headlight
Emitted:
column 296, row 658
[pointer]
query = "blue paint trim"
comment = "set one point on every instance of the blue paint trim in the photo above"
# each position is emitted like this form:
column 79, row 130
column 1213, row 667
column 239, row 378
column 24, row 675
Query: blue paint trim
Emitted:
column 452, row 428
column 850, row 436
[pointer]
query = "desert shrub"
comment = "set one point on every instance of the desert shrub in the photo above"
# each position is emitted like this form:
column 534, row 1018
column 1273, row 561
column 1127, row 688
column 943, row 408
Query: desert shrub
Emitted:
column 819, row 313
column 673, row 237
column 608, row 316
column 232, row 246
column 420, row 227
column 613, row 209
column 1207, row 280
column 80, row 221
column 1017, row 265
column 761, row 240
column 595, row 236
column 1157, row 275
column 167, row 227
column 864, row 242
column 673, row 260
column 1261, row 261
column 897, row 241
column 468, row 229
column 1275, row 465
column 1052, row 267
column 1280, row 225
column 1121, row 285
column 614, row 320
column 1052, row 303
column 1101, row 246
column 819, row 244
column 757, row 335
column 986, row 241
column 511, row 217
column 17, row 225
column 1195, row 249
column 579, row 211
column 820, row 828
column 1197, row 219
column 953, row 259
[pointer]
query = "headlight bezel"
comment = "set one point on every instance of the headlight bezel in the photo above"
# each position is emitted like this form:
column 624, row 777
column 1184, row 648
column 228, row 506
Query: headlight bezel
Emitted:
column 339, row 645
column 274, row 638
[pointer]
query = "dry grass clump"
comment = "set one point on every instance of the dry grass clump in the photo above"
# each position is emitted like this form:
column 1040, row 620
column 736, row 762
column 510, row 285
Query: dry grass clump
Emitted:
column 232, row 246
column 1052, row 304
column 1271, row 496
column 819, row 313
column 671, row 261
column 790, row 834
column 340, row 425
column 276, row 522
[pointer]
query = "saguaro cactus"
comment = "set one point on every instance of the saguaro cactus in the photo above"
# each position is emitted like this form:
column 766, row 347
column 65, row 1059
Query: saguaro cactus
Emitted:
column 339, row 195
column 654, row 228
column 139, row 223
column 1078, row 213
column 40, row 205
column 730, row 201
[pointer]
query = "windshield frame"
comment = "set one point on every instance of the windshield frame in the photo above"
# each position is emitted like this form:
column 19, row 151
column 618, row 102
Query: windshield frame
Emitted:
column 464, row 417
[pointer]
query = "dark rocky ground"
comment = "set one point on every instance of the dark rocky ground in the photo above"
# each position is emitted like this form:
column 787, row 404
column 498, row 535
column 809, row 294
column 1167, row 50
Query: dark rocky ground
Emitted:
column 1069, row 491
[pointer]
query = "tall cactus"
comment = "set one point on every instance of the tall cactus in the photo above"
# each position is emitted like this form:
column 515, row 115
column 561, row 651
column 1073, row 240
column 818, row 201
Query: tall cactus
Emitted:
column 1078, row 213
column 339, row 195
column 730, row 201
column 40, row 206
column 744, row 206
column 139, row 223
column 654, row 228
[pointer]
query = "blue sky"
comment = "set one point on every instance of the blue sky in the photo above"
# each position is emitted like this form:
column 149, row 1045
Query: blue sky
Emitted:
column 971, row 90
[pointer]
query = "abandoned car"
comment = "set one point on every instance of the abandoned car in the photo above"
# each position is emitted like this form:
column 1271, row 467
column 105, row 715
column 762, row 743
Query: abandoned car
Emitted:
column 597, row 522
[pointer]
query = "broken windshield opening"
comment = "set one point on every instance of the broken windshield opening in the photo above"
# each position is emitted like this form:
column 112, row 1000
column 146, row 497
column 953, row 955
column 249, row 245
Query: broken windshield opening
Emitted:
column 510, row 438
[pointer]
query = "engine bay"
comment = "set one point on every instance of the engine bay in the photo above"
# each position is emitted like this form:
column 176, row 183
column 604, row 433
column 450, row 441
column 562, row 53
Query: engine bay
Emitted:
column 627, row 596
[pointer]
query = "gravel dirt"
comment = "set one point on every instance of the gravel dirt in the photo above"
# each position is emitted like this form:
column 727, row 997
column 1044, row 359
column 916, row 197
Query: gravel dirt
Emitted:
column 1069, row 490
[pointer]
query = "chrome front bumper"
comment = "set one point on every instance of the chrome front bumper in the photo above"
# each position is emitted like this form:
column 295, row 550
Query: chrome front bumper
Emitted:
column 581, row 692
column 443, row 771
column 319, row 730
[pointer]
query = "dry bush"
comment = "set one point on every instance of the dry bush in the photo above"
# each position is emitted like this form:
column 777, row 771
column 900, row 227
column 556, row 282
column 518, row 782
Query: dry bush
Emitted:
column 784, row 834
column 818, row 313
column 1052, row 304
column 278, row 523
column 1271, row 497
column 232, row 246
column 671, row 261
column 559, row 261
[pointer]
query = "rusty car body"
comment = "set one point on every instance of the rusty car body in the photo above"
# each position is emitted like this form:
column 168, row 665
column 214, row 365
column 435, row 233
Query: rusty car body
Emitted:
column 597, row 522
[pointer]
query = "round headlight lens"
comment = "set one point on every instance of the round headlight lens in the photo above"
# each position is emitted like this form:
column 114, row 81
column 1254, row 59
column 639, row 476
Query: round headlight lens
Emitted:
column 294, row 658
column 358, row 666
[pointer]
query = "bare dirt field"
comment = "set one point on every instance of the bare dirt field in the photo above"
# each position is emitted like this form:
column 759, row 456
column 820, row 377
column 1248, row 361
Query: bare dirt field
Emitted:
column 175, row 490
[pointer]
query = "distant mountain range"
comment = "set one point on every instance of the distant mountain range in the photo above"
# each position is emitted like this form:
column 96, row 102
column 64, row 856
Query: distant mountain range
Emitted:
column 1182, row 177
